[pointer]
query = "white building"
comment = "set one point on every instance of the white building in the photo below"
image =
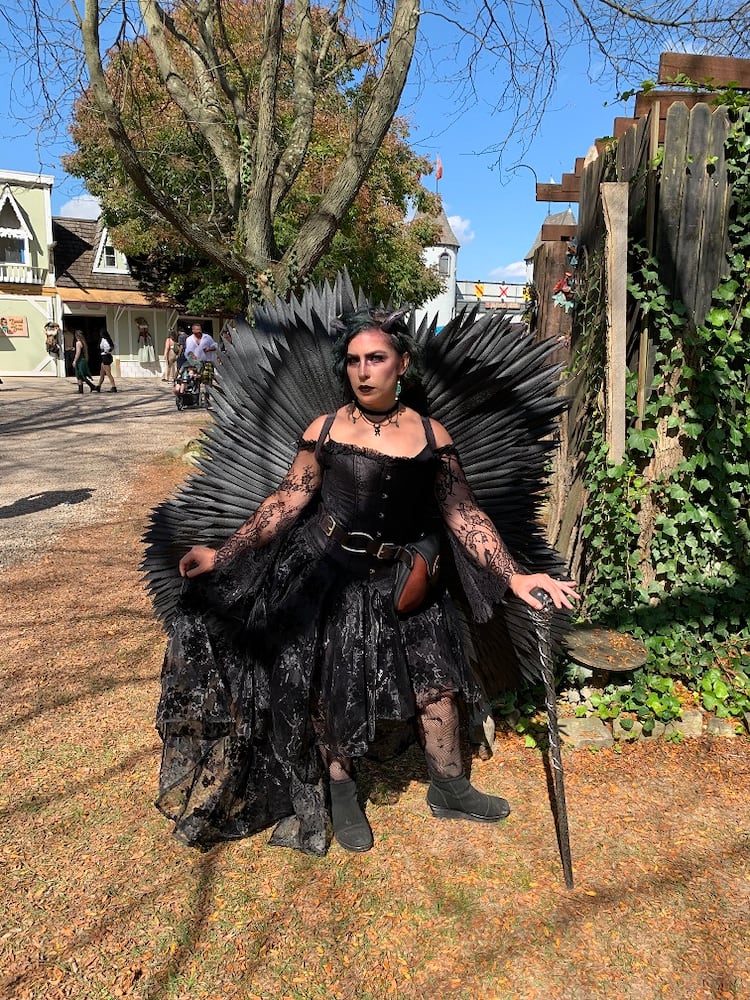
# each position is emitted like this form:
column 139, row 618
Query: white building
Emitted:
column 443, row 257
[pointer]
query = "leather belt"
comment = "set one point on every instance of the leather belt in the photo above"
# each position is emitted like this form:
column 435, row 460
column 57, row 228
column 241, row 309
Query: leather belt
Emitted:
column 361, row 543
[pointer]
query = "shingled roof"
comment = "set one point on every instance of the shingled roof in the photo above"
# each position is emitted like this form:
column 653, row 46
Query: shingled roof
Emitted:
column 565, row 218
column 76, row 245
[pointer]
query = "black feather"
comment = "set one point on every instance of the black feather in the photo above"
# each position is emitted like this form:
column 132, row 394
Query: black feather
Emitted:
column 493, row 388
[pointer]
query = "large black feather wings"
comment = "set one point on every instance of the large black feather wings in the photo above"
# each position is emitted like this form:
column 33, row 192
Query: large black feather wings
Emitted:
column 491, row 387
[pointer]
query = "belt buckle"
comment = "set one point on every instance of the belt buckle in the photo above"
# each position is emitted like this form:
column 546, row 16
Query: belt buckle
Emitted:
column 328, row 525
column 360, row 534
column 382, row 553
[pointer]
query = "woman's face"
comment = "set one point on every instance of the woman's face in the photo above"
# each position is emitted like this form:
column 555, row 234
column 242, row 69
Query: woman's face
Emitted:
column 373, row 366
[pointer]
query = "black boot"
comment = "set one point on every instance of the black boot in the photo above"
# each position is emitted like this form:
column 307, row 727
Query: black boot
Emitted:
column 80, row 389
column 350, row 826
column 455, row 798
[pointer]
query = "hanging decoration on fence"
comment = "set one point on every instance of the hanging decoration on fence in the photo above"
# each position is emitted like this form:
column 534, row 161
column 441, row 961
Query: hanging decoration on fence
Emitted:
column 564, row 292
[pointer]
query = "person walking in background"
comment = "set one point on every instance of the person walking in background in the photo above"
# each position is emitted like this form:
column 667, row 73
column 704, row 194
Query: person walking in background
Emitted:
column 106, row 346
column 69, row 351
column 81, row 363
column 171, row 351
column 182, row 336
column 226, row 335
column 205, row 349
column 201, row 344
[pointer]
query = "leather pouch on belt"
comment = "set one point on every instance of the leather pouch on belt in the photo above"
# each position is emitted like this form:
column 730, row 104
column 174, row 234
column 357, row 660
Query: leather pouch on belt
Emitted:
column 413, row 582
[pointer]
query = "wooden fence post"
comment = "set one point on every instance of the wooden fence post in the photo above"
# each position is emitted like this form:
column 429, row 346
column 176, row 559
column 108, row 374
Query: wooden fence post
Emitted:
column 644, row 377
column 615, row 206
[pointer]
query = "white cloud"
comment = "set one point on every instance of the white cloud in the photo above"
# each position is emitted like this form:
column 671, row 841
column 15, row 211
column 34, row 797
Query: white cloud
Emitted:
column 84, row 206
column 515, row 272
column 461, row 228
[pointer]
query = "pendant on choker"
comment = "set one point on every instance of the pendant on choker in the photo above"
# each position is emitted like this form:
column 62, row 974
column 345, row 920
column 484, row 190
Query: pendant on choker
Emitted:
column 359, row 412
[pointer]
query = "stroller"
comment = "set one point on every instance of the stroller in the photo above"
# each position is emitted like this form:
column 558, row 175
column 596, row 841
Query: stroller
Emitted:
column 187, row 386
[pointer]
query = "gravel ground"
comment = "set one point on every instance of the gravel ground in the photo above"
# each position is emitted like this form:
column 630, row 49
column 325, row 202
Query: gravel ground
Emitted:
column 68, row 460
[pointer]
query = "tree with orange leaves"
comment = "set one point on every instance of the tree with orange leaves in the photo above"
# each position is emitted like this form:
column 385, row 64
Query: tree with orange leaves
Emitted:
column 240, row 145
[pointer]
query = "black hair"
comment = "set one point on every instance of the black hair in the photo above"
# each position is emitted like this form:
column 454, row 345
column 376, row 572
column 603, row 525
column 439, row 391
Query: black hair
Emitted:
column 393, row 324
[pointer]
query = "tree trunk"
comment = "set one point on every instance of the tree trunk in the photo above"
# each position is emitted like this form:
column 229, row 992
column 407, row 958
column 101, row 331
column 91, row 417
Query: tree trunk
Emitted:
column 256, row 171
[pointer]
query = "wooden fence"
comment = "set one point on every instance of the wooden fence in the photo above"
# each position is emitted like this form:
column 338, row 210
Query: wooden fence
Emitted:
column 678, row 209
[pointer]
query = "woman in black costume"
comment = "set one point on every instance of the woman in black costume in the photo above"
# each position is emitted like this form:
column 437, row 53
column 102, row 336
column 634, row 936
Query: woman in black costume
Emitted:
column 329, row 654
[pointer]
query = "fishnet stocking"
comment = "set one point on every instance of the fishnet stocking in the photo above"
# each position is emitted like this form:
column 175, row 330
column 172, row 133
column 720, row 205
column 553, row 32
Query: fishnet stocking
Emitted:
column 439, row 736
column 340, row 769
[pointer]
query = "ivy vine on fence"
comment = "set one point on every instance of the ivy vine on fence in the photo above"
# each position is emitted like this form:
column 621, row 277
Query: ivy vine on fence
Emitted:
column 667, row 531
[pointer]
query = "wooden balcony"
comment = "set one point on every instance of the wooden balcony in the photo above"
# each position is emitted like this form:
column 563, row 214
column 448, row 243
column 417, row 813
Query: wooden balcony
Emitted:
column 22, row 274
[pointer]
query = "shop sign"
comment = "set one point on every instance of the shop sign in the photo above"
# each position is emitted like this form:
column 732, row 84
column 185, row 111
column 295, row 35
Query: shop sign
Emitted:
column 14, row 326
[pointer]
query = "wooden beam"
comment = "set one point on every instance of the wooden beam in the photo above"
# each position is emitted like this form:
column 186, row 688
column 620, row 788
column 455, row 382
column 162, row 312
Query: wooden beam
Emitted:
column 713, row 70
column 571, row 182
column 569, row 190
column 553, row 234
column 665, row 99
column 615, row 206
column 554, row 192
column 580, row 161
column 621, row 125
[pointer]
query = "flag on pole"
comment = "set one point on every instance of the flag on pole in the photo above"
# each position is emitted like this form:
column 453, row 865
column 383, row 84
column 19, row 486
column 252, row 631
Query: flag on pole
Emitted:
column 438, row 168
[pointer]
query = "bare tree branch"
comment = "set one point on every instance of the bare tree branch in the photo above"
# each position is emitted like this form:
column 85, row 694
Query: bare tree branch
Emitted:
column 257, row 221
column 320, row 227
column 195, row 234
column 293, row 156
column 203, row 109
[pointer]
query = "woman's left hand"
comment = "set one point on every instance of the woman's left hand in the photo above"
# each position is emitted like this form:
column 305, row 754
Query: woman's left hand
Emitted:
column 561, row 591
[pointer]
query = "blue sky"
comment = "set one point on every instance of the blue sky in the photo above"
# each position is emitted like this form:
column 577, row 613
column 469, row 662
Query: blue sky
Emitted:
column 493, row 210
column 494, row 213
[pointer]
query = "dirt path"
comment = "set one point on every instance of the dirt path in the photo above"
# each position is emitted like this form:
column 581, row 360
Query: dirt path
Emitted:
column 67, row 459
column 100, row 902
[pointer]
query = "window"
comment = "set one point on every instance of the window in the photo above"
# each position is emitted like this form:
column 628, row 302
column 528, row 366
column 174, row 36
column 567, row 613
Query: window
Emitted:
column 444, row 264
column 15, row 235
column 109, row 259
column 11, row 250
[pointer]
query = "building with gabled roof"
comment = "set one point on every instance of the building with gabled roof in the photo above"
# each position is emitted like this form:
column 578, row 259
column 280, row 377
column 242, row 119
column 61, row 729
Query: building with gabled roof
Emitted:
column 97, row 291
column 60, row 275
column 28, row 300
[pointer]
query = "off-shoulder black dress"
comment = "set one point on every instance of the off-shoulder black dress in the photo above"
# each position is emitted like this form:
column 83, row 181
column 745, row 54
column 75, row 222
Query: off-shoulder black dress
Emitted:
column 296, row 645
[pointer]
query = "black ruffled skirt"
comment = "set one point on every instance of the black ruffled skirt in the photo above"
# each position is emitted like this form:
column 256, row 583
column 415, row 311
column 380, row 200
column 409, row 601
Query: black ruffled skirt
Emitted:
column 275, row 654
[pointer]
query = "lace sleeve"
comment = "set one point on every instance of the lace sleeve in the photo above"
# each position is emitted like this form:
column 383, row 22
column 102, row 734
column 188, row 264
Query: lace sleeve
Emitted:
column 280, row 509
column 468, row 522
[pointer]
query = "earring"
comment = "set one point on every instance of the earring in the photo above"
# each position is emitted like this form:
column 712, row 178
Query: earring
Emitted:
column 398, row 388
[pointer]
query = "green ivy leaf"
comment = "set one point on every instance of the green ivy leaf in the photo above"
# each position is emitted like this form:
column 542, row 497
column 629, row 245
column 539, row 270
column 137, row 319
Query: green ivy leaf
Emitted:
column 641, row 440
column 718, row 317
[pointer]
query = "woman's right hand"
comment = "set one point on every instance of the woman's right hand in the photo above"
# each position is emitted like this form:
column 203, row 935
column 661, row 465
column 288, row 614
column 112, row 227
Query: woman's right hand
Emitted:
column 200, row 559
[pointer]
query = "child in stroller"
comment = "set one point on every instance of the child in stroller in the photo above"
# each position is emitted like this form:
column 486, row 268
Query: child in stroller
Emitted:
column 187, row 385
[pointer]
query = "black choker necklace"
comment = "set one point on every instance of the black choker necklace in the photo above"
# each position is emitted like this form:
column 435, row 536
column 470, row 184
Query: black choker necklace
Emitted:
column 389, row 416
column 377, row 413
